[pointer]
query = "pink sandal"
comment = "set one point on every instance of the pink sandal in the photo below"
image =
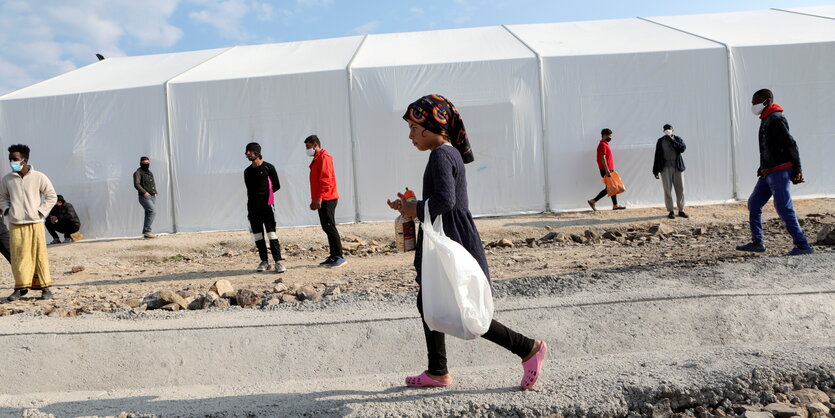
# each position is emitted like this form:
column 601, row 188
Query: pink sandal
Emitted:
column 423, row 381
column 533, row 367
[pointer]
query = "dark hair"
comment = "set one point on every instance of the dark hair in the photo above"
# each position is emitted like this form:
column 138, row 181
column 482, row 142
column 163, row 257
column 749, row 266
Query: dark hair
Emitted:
column 61, row 199
column 764, row 94
column 22, row 149
column 313, row 139
column 144, row 158
column 667, row 126
column 605, row 131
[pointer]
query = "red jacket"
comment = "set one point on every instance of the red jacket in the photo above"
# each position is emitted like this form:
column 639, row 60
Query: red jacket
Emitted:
column 322, row 177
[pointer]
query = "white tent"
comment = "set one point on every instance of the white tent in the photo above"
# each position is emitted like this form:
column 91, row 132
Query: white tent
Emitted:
column 492, row 80
column 533, row 99
column 87, row 130
column 792, row 55
column 821, row 11
column 275, row 95
column 631, row 76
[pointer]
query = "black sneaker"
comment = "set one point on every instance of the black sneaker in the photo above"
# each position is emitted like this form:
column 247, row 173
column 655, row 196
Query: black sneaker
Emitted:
column 328, row 261
column 47, row 294
column 264, row 266
column 17, row 294
column 681, row 214
column 55, row 241
column 751, row 247
column 671, row 215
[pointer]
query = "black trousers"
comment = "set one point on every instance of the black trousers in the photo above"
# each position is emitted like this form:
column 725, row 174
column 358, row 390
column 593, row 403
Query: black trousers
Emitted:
column 62, row 226
column 511, row 340
column 4, row 241
column 262, row 221
column 604, row 192
column 326, row 219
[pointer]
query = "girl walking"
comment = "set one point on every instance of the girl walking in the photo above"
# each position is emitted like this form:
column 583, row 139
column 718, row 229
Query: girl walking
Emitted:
column 436, row 126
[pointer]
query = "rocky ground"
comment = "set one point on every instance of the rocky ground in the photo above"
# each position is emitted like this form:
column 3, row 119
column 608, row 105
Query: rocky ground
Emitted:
column 183, row 271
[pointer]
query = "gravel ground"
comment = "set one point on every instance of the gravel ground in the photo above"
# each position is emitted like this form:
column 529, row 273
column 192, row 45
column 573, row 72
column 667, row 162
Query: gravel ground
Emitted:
column 633, row 341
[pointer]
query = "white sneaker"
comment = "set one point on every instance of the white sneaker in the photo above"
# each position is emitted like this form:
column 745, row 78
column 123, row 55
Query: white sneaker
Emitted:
column 279, row 267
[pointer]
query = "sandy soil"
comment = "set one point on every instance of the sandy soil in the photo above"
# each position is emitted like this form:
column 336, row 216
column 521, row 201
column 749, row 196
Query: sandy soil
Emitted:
column 107, row 275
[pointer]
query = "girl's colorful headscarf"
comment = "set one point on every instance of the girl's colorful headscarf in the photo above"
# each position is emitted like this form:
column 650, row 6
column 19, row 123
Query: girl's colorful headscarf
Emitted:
column 437, row 114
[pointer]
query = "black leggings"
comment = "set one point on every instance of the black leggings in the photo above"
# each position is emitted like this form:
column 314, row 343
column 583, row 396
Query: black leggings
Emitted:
column 436, row 344
column 604, row 192
column 262, row 221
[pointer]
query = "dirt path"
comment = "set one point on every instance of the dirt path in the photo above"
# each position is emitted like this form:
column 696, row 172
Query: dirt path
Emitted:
column 112, row 274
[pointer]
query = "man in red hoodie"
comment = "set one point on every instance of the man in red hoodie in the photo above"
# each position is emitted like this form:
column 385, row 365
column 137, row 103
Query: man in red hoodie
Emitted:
column 323, row 197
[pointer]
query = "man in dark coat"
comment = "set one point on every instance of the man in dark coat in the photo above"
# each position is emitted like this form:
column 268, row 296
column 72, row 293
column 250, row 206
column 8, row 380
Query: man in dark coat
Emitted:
column 63, row 219
column 670, row 166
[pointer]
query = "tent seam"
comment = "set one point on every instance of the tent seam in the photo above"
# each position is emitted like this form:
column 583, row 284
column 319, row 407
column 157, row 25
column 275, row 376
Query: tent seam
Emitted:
column 351, row 116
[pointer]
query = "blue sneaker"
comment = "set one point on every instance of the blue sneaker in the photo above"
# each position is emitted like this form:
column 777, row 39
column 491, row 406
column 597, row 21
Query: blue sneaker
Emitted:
column 327, row 263
column 338, row 262
column 751, row 247
column 801, row 251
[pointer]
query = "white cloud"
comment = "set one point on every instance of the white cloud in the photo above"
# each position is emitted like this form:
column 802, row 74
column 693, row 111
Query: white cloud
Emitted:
column 367, row 28
column 48, row 37
column 225, row 16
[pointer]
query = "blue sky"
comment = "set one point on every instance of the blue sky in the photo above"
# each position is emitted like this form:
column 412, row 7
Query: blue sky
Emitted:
column 40, row 39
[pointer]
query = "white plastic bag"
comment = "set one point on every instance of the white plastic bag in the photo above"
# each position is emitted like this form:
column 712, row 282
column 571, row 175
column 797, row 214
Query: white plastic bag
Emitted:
column 457, row 299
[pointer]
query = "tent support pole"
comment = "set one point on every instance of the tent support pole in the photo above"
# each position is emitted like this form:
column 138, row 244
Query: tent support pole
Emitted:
column 732, row 98
column 543, row 119
column 353, row 125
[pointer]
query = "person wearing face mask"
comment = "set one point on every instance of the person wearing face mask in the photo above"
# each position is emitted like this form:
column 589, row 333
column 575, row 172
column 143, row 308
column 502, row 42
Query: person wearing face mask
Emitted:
column 26, row 197
column 63, row 219
column 779, row 168
column 324, row 197
column 143, row 181
column 606, row 165
column 670, row 166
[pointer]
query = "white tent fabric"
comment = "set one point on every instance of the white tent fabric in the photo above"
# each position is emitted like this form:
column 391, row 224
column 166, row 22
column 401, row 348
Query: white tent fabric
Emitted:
column 87, row 130
column 275, row 95
column 793, row 56
column 492, row 80
column 632, row 77
column 533, row 99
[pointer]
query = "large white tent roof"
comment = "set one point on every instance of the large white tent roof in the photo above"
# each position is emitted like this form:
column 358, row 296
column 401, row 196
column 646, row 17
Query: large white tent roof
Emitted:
column 823, row 11
column 605, row 37
column 761, row 27
column 118, row 73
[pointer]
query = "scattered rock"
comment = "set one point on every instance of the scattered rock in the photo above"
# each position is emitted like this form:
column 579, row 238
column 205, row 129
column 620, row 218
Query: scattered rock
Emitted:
column 223, row 288
column 809, row 396
column 221, row 303
column 170, row 297
column 576, row 238
column 661, row 229
column 275, row 300
column 77, row 269
column 196, row 303
column 153, row 301
column 699, row 231
column 279, row 280
column 827, row 235
column 609, row 235
column 308, row 292
column 758, row 414
column 61, row 313
column 784, row 410
column 246, row 298
column 591, row 236
column 817, row 409
column 174, row 307
column 133, row 302
column 34, row 413
column 549, row 236
column 505, row 243
column 333, row 290
column 208, row 300
column 288, row 298
column 280, row 288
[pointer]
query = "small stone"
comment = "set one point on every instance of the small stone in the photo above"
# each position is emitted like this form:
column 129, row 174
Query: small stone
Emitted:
column 549, row 236
column 223, row 288
column 306, row 292
column 817, row 409
column 196, row 303
column 781, row 397
column 246, row 298
column 784, row 410
column 174, row 307
column 576, row 238
column 221, row 303
column 757, row 414
column 505, row 243
column 808, row 396
column 279, row 280
column 153, row 301
column 591, row 236
column 610, row 236
column 61, row 313
column 333, row 290
column 133, row 302
column 171, row 297
column 275, row 300
column 185, row 294
column 77, row 269
column 288, row 298
column 661, row 229
column 699, row 231
column 280, row 288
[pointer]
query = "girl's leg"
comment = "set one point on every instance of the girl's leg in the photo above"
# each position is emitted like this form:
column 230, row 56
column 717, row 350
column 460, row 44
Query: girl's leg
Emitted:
column 511, row 340
column 435, row 345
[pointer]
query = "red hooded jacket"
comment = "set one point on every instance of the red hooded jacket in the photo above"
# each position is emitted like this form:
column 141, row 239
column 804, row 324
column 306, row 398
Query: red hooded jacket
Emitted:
column 322, row 177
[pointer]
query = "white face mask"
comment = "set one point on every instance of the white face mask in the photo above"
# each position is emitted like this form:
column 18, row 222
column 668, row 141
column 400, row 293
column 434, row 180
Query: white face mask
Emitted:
column 758, row 108
column 310, row 152
column 668, row 132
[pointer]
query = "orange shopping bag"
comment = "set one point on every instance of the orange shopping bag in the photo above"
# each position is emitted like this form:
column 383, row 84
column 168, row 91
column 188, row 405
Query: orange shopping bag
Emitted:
column 613, row 184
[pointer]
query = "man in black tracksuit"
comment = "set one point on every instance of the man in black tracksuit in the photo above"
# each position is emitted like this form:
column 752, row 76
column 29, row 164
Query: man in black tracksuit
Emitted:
column 261, row 181
column 62, row 218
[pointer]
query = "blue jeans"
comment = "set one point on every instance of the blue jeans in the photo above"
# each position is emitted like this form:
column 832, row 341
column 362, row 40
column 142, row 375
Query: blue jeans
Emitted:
column 148, row 203
column 774, row 184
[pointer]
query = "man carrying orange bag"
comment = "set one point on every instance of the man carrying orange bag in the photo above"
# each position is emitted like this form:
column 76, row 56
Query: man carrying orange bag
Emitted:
column 606, row 164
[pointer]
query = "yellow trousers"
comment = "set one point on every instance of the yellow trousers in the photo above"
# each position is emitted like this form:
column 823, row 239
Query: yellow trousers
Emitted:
column 30, row 264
